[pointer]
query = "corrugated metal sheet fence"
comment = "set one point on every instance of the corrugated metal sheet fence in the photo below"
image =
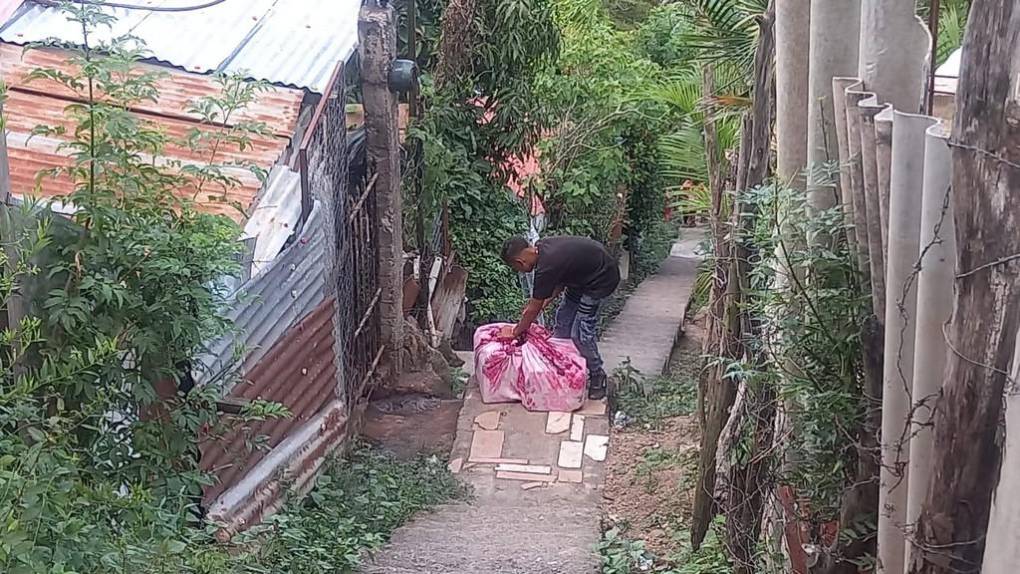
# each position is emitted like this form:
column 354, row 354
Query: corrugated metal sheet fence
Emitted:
column 318, row 362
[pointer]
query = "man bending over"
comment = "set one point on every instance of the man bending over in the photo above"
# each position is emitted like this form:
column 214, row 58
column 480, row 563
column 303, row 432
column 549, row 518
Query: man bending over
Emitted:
column 585, row 270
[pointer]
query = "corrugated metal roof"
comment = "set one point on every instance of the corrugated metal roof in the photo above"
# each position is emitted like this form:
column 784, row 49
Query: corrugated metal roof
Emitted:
column 286, row 290
column 286, row 471
column 286, row 42
column 31, row 104
column 298, row 372
column 7, row 8
column 277, row 108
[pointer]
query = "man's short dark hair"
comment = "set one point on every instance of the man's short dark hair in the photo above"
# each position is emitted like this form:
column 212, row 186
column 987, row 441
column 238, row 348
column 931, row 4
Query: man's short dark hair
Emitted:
column 512, row 247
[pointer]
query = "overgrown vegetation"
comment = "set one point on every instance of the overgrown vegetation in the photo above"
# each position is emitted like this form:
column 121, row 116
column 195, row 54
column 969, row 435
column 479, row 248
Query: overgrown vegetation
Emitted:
column 99, row 423
column 650, row 401
column 584, row 97
column 98, row 474
column 480, row 111
column 357, row 502
column 621, row 555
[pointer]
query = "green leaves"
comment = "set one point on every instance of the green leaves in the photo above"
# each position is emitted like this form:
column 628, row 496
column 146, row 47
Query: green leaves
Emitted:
column 93, row 479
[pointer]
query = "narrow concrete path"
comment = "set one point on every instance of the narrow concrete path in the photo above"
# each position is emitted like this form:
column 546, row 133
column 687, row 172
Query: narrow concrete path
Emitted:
column 646, row 330
column 537, row 476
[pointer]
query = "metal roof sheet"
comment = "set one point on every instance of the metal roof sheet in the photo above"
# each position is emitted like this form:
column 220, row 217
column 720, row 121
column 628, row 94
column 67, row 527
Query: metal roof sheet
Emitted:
column 31, row 104
column 275, row 217
column 298, row 372
column 277, row 108
column 287, row 42
column 284, row 292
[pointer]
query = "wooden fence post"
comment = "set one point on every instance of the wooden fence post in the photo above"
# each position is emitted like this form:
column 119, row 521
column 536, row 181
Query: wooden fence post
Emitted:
column 953, row 526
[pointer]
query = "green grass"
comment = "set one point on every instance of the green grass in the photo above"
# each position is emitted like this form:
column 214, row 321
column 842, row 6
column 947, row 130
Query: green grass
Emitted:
column 650, row 401
column 621, row 555
column 354, row 508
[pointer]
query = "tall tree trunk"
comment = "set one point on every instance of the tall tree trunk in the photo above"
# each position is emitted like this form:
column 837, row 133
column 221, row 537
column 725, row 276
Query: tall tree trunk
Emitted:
column 455, row 41
column 751, row 478
column 715, row 394
column 986, row 199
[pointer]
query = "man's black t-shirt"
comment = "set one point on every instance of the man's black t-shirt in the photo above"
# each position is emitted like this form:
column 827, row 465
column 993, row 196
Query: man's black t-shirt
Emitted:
column 577, row 263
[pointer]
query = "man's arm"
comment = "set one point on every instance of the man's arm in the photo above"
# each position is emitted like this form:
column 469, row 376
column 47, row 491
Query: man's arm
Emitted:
column 531, row 312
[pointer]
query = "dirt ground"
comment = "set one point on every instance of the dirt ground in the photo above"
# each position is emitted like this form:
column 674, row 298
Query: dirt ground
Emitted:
column 410, row 426
column 651, row 471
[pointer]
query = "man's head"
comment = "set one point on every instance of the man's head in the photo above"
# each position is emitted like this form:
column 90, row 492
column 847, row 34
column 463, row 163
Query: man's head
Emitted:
column 520, row 254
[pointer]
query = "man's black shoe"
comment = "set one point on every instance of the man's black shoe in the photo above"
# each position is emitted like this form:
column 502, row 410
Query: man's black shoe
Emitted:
column 597, row 386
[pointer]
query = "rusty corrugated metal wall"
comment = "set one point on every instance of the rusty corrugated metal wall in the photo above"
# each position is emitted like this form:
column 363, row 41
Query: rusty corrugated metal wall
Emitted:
column 43, row 102
column 298, row 372
column 312, row 333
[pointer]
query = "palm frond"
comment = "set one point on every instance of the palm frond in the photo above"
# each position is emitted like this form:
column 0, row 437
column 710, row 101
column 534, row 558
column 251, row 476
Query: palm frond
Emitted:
column 952, row 25
column 683, row 155
column 727, row 31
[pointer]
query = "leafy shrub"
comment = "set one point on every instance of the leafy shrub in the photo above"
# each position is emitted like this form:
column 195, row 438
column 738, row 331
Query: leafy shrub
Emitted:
column 99, row 473
column 357, row 502
column 661, row 36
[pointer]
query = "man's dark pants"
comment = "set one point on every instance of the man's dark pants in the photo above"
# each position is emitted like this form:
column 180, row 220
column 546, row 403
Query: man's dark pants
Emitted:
column 577, row 318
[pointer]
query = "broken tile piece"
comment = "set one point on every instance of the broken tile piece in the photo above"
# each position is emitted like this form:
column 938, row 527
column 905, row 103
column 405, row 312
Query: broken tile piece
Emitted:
column 526, row 477
column 596, row 447
column 487, row 460
column 557, row 423
column 571, row 454
column 486, row 444
column 488, row 421
column 577, row 428
column 532, row 485
column 456, row 465
column 575, row 476
column 529, row 468
column 593, row 408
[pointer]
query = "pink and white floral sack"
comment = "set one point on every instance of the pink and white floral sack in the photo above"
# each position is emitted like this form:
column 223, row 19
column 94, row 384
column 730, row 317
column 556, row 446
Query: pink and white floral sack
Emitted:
column 542, row 373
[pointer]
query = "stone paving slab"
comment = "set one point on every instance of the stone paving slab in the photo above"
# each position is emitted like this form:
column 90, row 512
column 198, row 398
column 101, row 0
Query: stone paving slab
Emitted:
column 549, row 524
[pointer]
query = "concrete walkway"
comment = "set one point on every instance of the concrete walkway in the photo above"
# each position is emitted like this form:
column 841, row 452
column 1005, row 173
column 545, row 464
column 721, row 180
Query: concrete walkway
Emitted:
column 537, row 476
column 651, row 320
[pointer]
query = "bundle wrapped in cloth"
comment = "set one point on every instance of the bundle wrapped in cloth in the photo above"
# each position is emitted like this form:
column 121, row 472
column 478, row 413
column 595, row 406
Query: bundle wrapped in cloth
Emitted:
column 542, row 373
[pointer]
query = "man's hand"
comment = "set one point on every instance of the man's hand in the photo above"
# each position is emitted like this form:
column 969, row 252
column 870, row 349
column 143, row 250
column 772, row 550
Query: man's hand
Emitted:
column 507, row 332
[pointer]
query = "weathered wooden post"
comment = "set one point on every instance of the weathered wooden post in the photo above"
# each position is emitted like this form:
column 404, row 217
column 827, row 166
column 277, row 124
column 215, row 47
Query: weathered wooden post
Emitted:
column 954, row 523
column 378, row 35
